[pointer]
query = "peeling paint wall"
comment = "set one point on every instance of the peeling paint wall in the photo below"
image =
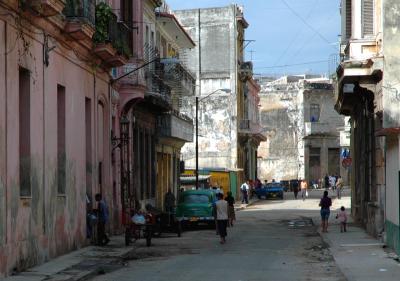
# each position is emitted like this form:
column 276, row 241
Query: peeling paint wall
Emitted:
column 281, row 117
column 391, row 81
column 390, row 194
column 217, row 113
column 285, row 109
column 46, row 224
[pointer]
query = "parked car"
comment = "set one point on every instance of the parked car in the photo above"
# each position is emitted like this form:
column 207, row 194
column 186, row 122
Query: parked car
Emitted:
column 270, row 190
column 196, row 206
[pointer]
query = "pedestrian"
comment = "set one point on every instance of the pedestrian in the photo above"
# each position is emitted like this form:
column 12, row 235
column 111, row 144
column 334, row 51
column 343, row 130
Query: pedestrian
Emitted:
column 102, row 219
column 326, row 181
column 325, row 203
column 332, row 182
column 231, row 208
column 169, row 201
column 295, row 188
column 339, row 187
column 304, row 187
column 221, row 207
column 244, row 189
column 342, row 216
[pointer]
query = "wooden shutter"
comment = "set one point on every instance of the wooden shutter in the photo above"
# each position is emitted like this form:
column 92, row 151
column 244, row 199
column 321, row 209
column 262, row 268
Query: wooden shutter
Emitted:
column 368, row 17
column 348, row 19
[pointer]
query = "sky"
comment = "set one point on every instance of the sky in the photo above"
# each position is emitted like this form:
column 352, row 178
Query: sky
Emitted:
column 291, row 36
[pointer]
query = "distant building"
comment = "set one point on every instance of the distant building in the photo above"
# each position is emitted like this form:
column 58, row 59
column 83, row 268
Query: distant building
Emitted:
column 229, row 132
column 301, row 127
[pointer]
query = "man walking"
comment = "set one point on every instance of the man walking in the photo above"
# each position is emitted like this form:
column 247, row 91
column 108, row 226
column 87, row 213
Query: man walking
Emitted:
column 102, row 215
column 221, row 207
column 244, row 189
column 326, row 181
column 295, row 188
column 304, row 192
column 169, row 201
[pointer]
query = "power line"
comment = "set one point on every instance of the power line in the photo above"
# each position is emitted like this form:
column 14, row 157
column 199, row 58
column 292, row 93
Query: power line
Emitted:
column 297, row 34
column 306, row 23
column 293, row 64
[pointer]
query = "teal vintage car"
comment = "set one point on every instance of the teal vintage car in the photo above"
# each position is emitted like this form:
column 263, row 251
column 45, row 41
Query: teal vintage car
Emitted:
column 196, row 206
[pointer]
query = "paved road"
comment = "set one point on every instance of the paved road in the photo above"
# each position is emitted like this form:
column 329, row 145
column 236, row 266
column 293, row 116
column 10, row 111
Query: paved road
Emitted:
column 272, row 240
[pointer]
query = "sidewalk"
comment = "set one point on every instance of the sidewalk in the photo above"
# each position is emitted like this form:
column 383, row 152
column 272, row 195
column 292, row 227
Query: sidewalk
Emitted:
column 358, row 255
column 80, row 264
column 86, row 262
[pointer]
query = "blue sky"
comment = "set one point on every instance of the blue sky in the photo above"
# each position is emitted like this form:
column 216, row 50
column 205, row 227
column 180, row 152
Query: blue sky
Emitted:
column 287, row 32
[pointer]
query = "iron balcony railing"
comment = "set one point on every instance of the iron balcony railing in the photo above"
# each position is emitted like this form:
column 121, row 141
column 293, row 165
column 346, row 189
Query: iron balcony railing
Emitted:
column 122, row 40
column 84, row 10
column 178, row 77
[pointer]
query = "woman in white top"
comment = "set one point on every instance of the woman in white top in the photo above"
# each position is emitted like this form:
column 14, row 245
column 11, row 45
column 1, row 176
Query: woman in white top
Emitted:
column 221, row 207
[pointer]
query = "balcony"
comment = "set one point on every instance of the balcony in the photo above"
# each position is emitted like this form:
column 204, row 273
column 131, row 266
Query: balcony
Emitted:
column 111, row 37
column 45, row 8
column 360, row 49
column 120, row 39
column 175, row 125
column 246, row 71
column 249, row 128
column 80, row 19
column 316, row 128
column 158, row 93
column 178, row 77
column 133, row 84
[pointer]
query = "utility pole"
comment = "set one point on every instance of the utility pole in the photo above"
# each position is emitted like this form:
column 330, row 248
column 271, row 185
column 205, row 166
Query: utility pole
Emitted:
column 197, row 103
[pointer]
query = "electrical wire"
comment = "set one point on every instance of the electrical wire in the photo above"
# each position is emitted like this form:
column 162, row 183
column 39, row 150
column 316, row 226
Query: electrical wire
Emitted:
column 307, row 24
column 297, row 34
column 293, row 64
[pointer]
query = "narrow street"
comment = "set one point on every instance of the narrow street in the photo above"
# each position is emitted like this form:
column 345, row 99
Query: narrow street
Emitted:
column 283, row 244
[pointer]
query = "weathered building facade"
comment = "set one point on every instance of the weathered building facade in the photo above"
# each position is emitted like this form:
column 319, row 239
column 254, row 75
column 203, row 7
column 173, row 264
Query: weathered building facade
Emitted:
column 367, row 92
column 219, row 65
column 54, row 124
column 89, row 103
column 301, row 127
column 149, row 105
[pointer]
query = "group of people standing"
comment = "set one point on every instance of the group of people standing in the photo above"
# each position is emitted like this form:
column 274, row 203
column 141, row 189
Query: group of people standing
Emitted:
column 334, row 183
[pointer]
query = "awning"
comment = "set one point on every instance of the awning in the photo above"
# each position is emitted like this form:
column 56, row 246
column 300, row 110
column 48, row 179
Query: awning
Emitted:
column 175, row 29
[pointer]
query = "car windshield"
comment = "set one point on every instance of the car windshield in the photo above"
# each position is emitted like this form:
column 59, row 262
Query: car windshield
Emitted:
column 195, row 198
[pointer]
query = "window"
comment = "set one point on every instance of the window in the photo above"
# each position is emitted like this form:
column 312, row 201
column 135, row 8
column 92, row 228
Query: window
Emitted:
column 348, row 19
column 61, row 157
column 196, row 199
column 368, row 17
column 314, row 112
column 127, row 17
column 24, row 133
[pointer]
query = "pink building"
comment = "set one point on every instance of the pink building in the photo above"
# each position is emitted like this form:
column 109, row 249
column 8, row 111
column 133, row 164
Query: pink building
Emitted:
column 55, row 108
column 77, row 117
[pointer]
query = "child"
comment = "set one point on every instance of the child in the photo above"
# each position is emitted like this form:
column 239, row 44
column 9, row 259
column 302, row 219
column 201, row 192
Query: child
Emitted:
column 342, row 216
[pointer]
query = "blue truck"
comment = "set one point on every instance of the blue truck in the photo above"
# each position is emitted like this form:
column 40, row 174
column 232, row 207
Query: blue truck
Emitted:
column 270, row 190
